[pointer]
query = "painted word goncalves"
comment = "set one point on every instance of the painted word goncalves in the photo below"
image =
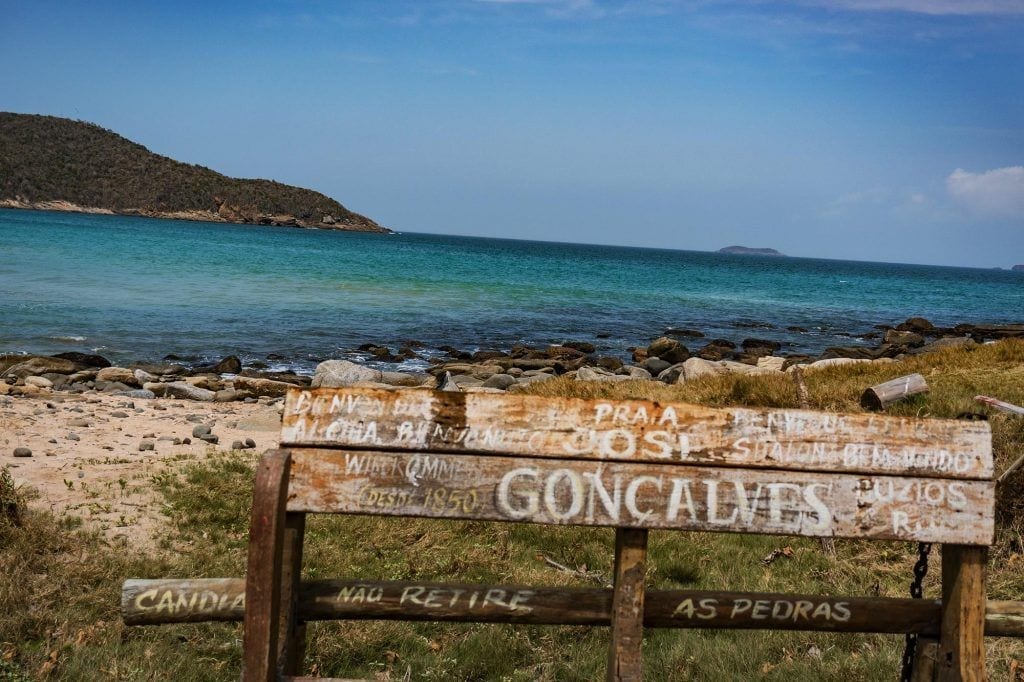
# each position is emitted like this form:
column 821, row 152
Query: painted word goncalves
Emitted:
column 642, row 495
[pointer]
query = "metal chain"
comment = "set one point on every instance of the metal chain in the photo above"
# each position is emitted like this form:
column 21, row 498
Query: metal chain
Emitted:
column 920, row 571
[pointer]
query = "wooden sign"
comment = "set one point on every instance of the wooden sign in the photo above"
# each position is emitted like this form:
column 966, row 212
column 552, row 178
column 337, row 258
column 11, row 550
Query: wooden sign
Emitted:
column 636, row 431
column 145, row 602
column 642, row 495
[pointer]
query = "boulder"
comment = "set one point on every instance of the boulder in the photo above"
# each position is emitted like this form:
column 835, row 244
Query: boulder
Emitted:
column 771, row 362
column 38, row 382
column 915, row 324
column 945, row 342
column 716, row 349
column 229, row 365
column 582, row 346
column 694, row 368
column 669, row 350
column 185, row 390
column 499, row 381
column 672, row 374
column 903, row 338
column 609, row 363
column 684, row 333
column 229, row 395
column 403, row 379
column 143, row 377
column 849, row 352
column 656, row 366
column 638, row 373
column 337, row 373
column 267, row 387
column 160, row 369
column 120, row 375
column 87, row 359
column 598, row 374
column 38, row 365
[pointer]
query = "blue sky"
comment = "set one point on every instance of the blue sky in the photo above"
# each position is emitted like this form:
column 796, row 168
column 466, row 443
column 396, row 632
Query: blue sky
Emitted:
column 854, row 129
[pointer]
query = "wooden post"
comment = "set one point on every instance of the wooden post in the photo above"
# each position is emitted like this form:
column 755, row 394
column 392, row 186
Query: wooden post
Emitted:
column 961, row 656
column 881, row 396
column 263, row 569
column 625, row 658
column 292, row 631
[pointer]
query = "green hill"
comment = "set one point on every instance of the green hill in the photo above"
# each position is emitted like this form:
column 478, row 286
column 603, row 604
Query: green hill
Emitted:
column 56, row 163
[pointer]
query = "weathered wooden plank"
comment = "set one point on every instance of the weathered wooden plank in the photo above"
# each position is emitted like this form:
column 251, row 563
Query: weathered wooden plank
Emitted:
column 961, row 655
column 641, row 495
column 150, row 602
column 263, row 569
column 880, row 396
column 635, row 430
column 625, row 657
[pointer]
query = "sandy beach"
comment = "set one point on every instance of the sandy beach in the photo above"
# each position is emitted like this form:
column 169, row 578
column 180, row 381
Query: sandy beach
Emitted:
column 86, row 459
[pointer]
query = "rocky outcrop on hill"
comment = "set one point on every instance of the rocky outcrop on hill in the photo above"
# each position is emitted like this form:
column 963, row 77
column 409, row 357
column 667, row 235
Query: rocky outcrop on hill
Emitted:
column 50, row 163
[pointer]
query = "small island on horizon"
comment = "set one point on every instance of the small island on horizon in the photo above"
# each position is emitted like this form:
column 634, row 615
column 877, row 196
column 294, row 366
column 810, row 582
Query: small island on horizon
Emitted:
column 57, row 164
column 748, row 251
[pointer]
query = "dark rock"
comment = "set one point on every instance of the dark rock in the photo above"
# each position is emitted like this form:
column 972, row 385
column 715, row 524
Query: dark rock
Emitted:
column 482, row 355
column 456, row 353
column 563, row 352
column 581, row 346
column 684, row 333
column 22, row 452
column 668, row 350
column 160, row 369
column 794, row 328
column 210, row 438
column 87, row 359
column 717, row 349
column 147, row 445
column 903, row 338
column 229, row 365
column 656, row 365
column 250, row 443
column 915, row 324
column 201, row 430
column 854, row 352
column 237, row 445
column 609, row 363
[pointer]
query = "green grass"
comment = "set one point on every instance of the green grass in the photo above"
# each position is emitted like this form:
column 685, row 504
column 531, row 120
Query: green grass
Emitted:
column 59, row 584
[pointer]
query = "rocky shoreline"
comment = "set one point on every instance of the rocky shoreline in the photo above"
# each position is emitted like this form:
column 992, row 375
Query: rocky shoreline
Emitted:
column 224, row 214
column 680, row 355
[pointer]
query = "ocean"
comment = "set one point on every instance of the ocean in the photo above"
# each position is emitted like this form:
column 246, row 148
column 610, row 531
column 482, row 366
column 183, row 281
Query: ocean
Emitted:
column 140, row 289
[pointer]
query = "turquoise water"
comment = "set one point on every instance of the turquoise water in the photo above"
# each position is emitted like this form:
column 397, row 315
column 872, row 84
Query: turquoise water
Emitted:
column 139, row 289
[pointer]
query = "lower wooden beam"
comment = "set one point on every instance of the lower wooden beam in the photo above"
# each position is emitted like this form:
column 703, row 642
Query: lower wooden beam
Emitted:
column 150, row 602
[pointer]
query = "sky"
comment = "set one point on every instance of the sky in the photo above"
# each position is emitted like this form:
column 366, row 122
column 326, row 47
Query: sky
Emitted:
column 883, row 130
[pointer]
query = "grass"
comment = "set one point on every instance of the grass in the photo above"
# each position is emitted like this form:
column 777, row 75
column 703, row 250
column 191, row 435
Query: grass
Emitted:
column 59, row 583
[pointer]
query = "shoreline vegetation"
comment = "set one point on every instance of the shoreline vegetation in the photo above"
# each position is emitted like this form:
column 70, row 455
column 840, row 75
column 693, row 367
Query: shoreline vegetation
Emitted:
column 115, row 486
column 57, row 164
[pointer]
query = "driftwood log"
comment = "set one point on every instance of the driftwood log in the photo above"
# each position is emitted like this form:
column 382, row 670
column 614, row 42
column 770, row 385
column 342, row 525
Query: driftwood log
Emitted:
column 881, row 396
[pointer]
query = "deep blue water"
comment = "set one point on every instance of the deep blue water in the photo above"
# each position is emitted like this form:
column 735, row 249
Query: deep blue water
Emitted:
column 138, row 288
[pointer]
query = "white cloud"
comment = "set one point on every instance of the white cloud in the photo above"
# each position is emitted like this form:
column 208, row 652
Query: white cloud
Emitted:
column 997, row 193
